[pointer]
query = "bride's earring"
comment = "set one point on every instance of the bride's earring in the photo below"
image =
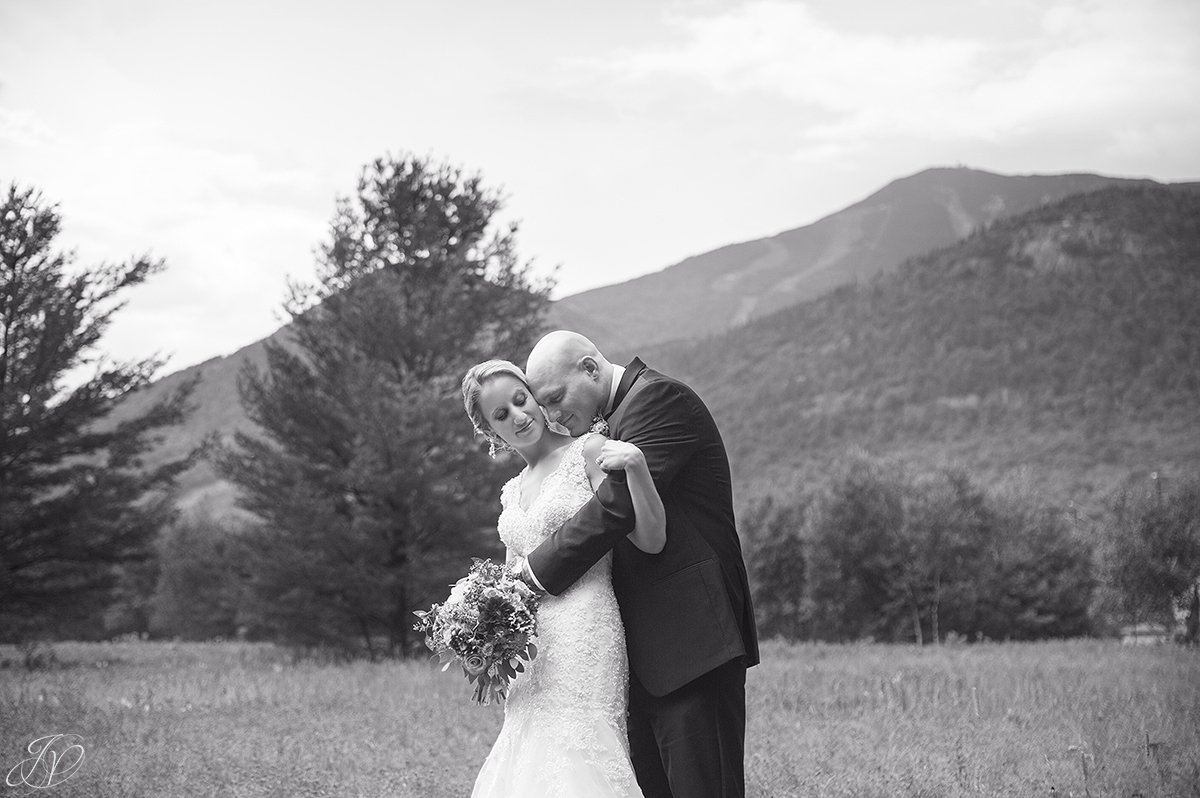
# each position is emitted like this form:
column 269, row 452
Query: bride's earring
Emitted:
column 492, row 447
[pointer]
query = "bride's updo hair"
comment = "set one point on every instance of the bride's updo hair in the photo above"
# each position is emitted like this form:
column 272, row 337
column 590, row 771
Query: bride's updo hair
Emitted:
column 472, row 386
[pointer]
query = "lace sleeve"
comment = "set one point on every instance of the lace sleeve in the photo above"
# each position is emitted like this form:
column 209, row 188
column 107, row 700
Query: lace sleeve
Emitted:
column 506, row 499
column 506, row 492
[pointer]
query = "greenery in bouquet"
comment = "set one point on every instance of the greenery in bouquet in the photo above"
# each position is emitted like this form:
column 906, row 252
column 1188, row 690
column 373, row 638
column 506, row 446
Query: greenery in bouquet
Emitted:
column 487, row 624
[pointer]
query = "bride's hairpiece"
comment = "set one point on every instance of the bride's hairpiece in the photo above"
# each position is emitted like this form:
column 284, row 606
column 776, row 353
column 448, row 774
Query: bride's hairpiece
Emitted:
column 495, row 442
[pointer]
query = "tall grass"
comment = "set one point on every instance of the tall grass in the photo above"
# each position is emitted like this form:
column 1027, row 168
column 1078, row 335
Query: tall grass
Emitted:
column 1068, row 718
column 240, row 719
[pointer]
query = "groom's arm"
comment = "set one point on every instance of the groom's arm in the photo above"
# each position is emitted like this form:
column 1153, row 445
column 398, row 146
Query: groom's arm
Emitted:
column 661, row 423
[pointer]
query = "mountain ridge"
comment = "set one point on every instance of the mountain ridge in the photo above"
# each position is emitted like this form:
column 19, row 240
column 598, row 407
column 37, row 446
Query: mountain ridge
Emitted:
column 728, row 286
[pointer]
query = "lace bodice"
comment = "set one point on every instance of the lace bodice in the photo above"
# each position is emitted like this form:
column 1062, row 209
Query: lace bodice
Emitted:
column 562, row 493
column 564, row 727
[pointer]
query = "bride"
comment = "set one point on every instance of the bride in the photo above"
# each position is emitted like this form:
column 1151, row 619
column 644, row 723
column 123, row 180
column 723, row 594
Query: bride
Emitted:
column 564, row 731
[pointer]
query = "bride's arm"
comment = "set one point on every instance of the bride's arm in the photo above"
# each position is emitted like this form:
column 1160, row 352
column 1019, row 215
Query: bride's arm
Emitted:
column 601, row 456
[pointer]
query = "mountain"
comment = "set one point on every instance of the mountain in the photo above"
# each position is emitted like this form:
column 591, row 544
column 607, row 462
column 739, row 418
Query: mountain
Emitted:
column 1062, row 344
column 216, row 409
column 722, row 289
column 706, row 295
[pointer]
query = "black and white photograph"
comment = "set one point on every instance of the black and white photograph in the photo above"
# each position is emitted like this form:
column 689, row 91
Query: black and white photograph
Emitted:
column 659, row 399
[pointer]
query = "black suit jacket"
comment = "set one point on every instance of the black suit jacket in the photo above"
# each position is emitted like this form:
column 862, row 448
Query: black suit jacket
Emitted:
column 687, row 609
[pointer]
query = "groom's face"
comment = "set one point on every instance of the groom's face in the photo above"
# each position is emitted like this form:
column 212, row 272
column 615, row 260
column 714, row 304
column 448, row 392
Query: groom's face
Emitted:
column 572, row 396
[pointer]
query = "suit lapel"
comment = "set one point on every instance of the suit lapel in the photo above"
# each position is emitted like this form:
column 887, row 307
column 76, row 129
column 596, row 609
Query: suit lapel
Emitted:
column 632, row 372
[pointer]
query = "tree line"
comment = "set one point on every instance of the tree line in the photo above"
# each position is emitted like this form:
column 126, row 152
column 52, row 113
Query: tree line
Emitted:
column 883, row 552
column 363, row 489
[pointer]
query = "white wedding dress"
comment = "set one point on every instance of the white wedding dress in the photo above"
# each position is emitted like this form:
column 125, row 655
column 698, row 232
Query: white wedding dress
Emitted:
column 564, row 730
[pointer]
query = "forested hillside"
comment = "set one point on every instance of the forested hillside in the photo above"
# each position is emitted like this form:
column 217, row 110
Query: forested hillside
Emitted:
column 1064, row 343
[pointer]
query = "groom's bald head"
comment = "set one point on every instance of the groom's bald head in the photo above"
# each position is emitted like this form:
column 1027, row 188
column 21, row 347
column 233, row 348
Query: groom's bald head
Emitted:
column 570, row 378
column 561, row 350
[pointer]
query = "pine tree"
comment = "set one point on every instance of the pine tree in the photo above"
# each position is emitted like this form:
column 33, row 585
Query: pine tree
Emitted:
column 370, row 487
column 77, row 504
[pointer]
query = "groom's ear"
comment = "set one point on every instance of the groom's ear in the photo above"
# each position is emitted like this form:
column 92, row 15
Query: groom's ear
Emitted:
column 590, row 366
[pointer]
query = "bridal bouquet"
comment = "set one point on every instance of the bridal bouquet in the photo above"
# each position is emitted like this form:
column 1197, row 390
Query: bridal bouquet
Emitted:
column 487, row 625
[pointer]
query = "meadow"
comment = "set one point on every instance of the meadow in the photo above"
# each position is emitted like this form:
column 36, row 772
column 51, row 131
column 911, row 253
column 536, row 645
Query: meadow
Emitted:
column 1074, row 718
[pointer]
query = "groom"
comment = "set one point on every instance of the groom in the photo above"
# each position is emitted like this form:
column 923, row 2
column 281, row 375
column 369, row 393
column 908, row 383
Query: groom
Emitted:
column 689, row 626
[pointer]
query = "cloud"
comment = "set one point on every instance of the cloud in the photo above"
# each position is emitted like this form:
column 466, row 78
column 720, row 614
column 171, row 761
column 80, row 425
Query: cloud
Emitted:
column 24, row 129
column 1074, row 65
column 231, row 225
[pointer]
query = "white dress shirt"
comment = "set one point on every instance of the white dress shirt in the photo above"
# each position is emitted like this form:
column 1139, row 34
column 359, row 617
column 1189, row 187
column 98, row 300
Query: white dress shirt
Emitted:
column 618, row 373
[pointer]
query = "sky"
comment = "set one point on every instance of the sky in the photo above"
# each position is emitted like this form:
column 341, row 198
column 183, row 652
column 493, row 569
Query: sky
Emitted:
column 626, row 135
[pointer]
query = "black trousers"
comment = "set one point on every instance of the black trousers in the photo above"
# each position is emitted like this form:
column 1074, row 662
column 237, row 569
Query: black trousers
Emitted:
column 691, row 742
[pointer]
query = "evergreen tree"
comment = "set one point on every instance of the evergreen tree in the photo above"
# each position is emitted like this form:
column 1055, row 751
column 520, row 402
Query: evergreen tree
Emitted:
column 76, row 503
column 370, row 489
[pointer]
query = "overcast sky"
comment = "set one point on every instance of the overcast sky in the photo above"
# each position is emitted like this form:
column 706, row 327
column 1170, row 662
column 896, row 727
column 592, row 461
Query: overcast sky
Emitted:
column 627, row 135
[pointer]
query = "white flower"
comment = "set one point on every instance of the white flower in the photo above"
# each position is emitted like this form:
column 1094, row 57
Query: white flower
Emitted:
column 459, row 591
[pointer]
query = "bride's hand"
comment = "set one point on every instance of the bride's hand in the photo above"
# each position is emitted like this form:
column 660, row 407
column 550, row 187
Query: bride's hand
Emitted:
column 518, row 568
column 619, row 455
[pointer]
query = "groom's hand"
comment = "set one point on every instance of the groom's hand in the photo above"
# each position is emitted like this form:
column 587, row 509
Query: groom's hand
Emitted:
column 619, row 455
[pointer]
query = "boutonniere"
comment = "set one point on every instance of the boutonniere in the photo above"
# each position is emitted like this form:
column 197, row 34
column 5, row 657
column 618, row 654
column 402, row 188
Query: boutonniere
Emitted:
column 599, row 425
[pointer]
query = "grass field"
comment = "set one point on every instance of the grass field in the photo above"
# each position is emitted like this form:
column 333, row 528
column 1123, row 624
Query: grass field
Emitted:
column 1081, row 718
